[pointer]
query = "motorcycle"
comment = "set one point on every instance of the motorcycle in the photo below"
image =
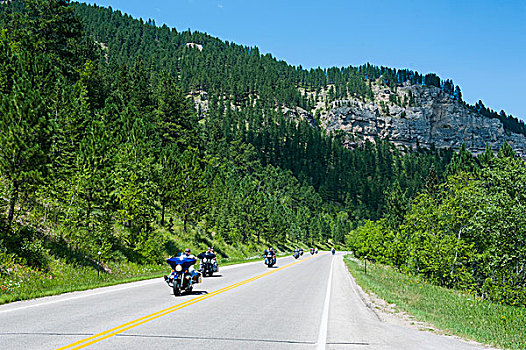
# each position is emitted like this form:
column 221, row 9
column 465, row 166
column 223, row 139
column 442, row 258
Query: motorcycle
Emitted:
column 182, row 279
column 312, row 251
column 296, row 254
column 207, row 268
column 208, row 264
column 316, row 251
column 270, row 260
column 333, row 251
column 301, row 252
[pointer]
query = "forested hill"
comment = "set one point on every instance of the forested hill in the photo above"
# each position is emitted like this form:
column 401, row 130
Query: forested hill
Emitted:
column 202, row 62
column 102, row 150
column 297, row 169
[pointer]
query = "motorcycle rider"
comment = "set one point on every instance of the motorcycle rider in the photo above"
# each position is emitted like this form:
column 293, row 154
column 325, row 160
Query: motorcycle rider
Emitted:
column 271, row 252
column 209, row 254
column 296, row 253
column 333, row 250
column 191, row 269
column 214, row 260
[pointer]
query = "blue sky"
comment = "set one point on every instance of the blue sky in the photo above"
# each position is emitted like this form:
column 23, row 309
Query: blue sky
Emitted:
column 481, row 45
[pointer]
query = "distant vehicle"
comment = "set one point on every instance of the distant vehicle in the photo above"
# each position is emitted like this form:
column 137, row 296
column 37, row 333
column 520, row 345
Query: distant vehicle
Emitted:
column 296, row 253
column 270, row 257
column 333, row 251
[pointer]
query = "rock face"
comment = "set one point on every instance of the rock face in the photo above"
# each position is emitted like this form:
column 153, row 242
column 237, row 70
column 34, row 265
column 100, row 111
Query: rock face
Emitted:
column 432, row 118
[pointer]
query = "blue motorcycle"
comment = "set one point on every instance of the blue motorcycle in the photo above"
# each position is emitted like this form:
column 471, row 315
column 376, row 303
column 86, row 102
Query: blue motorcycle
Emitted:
column 182, row 279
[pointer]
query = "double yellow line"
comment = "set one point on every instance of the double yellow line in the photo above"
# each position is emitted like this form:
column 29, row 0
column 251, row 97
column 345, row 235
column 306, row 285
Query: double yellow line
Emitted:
column 124, row 327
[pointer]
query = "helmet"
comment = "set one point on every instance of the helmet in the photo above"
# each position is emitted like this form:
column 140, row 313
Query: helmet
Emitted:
column 187, row 250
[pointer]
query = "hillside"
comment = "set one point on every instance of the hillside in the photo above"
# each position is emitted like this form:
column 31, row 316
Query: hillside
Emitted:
column 327, row 125
column 110, row 154
column 403, row 106
column 126, row 142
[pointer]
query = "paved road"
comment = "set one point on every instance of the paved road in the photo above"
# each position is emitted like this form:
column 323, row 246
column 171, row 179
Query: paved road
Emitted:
column 305, row 304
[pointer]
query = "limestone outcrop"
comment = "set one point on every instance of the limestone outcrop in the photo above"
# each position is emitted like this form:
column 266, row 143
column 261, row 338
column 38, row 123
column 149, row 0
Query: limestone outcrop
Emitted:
column 431, row 118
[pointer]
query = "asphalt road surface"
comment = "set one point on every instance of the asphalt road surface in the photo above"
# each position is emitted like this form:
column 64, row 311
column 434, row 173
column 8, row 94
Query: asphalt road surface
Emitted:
column 309, row 303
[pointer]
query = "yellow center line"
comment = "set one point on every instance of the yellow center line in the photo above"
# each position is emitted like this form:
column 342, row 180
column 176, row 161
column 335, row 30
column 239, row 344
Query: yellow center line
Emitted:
column 124, row 327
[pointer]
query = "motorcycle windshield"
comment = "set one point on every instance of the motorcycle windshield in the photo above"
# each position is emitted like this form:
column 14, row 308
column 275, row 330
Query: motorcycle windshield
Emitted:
column 182, row 260
column 206, row 255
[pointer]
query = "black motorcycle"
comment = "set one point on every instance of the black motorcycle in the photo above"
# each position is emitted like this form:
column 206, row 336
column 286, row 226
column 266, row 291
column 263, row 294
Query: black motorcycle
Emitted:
column 207, row 268
column 296, row 254
column 208, row 263
column 270, row 260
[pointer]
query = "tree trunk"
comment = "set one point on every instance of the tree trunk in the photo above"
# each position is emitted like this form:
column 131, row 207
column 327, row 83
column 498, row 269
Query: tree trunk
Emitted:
column 185, row 217
column 88, row 213
column 456, row 252
column 12, row 202
column 244, row 234
column 162, row 214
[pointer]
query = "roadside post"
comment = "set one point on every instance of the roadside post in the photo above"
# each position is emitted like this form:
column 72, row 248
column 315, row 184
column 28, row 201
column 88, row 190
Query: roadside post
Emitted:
column 365, row 259
column 98, row 265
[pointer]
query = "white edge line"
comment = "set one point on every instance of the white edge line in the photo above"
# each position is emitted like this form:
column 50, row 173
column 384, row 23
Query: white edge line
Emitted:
column 322, row 335
column 86, row 293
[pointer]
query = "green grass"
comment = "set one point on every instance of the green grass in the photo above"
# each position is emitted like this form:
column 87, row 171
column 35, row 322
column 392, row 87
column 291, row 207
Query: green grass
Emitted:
column 66, row 270
column 23, row 283
column 449, row 310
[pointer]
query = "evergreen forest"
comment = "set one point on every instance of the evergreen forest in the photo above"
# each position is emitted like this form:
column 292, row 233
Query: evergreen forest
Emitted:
column 124, row 140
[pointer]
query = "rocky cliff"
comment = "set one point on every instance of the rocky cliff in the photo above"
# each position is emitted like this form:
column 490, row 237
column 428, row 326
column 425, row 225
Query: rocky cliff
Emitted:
column 415, row 115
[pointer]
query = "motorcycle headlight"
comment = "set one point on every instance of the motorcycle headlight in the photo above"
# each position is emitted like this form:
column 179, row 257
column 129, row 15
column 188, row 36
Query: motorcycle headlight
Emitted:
column 205, row 260
column 178, row 268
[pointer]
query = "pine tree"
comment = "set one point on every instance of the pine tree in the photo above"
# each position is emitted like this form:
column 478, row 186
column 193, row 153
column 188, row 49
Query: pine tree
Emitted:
column 505, row 151
column 25, row 127
column 190, row 195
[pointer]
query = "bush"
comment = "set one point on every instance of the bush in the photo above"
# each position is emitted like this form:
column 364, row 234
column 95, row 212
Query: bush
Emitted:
column 34, row 253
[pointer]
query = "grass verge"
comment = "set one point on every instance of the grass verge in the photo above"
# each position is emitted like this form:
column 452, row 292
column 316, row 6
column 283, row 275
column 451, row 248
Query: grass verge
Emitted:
column 23, row 283
column 452, row 311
